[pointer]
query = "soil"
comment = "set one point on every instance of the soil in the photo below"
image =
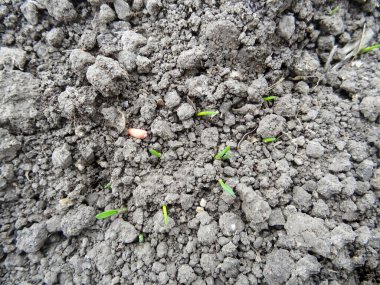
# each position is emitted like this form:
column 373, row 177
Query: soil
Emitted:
column 76, row 75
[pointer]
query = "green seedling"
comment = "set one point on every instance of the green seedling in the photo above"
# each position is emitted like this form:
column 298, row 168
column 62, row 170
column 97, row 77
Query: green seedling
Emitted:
column 226, row 188
column 223, row 155
column 141, row 238
column 269, row 140
column 165, row 213
column 270, row 98
column 207, row 113
column 108, row 185
column 155, row 153
column 368, row 49
column 110, row 213
column 335, row 10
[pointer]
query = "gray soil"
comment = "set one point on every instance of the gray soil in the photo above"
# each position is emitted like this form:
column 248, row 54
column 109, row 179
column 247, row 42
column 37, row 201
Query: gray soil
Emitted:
column 75, row 75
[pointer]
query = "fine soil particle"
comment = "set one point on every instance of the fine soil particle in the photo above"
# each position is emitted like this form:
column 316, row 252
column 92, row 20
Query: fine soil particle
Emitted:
column 75, row 76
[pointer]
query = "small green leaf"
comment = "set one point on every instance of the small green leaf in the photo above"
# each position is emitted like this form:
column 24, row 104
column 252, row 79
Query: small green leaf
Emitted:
column 165, row 213
column 368, row 49
column 141, row 238
column 223, row 154
column 108, row 185
column 270, row 98
column 335, row 10
column 269, row 140
column 207, row 113
column 109, row 213
column 226, row 188
column 155, row 152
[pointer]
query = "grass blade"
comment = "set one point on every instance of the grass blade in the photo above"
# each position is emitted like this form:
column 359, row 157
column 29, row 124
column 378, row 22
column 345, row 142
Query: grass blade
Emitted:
column 155, row 152
column 110, row 213
column 207, row 113
column 270, row 98
column 269, row 140
column 141, row 238
column 368, row 49
column 226, row 188
column 165, row 213
column 223, row 154
column 108, row 185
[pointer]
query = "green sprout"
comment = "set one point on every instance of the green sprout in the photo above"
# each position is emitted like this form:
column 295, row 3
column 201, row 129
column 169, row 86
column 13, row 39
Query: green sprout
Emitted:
column 270, row 98
column 224, row 155
column 226, row 188
column 108, row 185
column 155, row 152
column 206, row 113
column 110, row 213
column 334, row 10
column 141, row 238
column 165, row 213
column 368, row 49
column 269, row 140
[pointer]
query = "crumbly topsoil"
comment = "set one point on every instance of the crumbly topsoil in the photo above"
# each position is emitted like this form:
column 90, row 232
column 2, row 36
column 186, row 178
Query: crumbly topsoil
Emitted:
column 75, row 75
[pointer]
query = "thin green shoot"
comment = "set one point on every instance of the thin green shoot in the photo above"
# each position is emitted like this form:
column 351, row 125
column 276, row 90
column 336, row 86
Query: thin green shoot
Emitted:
column 141, row 238
column 224, row 155
column 270, row 98
column 334, row 10
column 108, row 185
column 155, row 152
column 165, row 213
column 226, row 188
column 206, row 113
column 110, row 213
column 269, row 140
column 368, row 49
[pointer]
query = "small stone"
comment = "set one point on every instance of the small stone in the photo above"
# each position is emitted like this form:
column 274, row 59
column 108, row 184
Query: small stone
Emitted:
column 107, row 76
column 208, row 262
column 61, row 10
column 270, row 126
column 210, row 137
column 103, row 257
column 88, row 40
column 13, row 57
column 144, row 65
column 30, row 12
column 320, row 209
column 230, row 224
column 286, row 27
column 365, row 170
column 307, row 266
column 78, row 219
column 121, row 231
column 132, row 41
column 186, row 274
column 340, row 163
column 257, row 90
column 80, row 61
column 301, row 198
column 332, row 24
column 9, row 146
column 278, row 267
column 106, row 14
column 153, row 7
column 123, row 11
column 306, row 64
column 55, row 37
column 329, row 185
column 162, row 129
column 370, row 108
column 172, row 99
column 276, row 218
column 375, row 181
column 128, row 60
column 207, row 234
column 199, row 209
column 61, row 156
column 33, row 238
column 358, row 150
column 203, row 203
column 190, row 59
column 185, row 111
column 286, row 106
column 341, row 235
